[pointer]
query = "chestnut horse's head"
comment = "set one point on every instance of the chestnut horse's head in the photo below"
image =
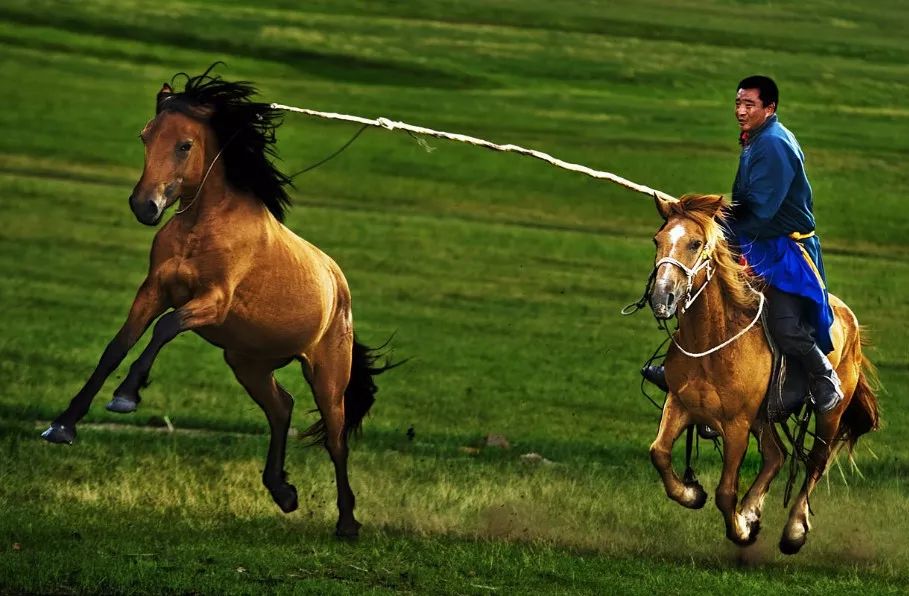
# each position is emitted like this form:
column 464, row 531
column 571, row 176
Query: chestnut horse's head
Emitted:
column 212, row 128
column 685, row 248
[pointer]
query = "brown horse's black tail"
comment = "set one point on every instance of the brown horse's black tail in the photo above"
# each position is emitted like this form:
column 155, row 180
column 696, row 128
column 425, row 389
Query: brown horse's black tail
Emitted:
column 861, row 415
column 366, row 363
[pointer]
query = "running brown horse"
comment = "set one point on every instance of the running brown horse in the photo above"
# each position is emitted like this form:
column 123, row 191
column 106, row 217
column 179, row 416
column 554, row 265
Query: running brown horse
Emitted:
column 718, row 369
column 225, row 267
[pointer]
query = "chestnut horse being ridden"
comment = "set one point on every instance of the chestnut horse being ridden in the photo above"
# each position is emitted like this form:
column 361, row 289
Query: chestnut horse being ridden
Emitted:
column 235, row 275
column 724, row 388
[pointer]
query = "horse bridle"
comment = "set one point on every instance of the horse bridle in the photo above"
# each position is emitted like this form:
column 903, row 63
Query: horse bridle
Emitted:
column 207, row 172
column 703, row 262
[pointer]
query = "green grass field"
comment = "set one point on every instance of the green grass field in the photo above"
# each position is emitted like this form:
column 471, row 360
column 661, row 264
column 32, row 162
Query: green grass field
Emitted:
column 501, row 276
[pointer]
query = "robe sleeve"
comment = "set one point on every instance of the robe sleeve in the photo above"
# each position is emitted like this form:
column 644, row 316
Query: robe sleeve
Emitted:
column 770, row 176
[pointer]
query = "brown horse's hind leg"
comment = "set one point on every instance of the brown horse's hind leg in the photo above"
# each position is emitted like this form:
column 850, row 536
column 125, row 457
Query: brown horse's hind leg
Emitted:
column 735, row 444
column 328, row 376
column 257, row 378
column 772, row 456
column 795, row 533
column 675, row 419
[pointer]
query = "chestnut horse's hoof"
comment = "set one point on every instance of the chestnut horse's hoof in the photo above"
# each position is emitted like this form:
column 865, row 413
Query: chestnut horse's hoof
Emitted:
column 747, row 531
column 790, row 547
column 792, row 542
column 694, row 496
column 122, row 405
column 285, row 496
column 59, row 433
column 348, row 530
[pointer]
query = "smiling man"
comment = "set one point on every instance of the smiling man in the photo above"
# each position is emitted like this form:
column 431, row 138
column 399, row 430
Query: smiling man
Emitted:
column 772, row 222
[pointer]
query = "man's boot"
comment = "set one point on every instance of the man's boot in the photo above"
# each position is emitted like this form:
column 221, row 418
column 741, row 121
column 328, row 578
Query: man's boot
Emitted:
column 826, row 392
column 656, row 374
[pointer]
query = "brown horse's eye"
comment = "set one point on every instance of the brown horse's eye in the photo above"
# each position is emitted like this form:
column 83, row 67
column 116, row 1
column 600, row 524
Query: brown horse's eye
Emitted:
column 185, row 147
column 695, row 244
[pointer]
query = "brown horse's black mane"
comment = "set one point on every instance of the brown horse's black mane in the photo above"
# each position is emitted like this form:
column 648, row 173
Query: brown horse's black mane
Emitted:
column 245, row 130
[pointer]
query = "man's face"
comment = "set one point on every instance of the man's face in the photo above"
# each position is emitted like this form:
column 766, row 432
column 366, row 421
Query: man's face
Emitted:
column 750, row 111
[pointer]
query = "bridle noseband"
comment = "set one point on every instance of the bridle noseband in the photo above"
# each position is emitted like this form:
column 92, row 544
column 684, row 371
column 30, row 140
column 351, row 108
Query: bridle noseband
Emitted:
column 704, row 262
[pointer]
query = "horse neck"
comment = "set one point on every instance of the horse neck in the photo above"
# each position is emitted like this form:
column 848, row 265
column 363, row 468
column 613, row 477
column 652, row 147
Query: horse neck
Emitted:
column 708, row 321
column 213, row 199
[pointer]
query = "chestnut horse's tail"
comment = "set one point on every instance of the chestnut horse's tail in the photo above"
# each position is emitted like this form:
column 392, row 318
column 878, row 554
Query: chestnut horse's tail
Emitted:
column 861, row 415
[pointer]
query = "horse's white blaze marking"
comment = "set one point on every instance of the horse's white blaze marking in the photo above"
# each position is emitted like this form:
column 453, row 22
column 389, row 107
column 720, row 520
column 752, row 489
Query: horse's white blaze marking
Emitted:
column 159, row 199
column 676, row 233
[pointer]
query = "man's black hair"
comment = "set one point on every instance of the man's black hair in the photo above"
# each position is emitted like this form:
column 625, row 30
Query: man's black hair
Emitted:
column 767, row 89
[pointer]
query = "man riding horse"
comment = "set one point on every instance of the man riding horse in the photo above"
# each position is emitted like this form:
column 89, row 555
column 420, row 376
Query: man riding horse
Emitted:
column 772, row 224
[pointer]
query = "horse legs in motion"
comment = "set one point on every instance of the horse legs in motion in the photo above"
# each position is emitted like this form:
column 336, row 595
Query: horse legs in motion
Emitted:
column 258, row 379
column 773, row 455
column 675, row 420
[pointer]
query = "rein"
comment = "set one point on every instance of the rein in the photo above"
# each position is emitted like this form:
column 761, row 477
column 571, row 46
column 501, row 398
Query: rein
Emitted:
column 207, row 172
column 703, row 263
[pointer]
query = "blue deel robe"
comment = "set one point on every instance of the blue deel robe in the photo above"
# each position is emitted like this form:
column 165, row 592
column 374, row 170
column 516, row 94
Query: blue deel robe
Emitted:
column 771, row 199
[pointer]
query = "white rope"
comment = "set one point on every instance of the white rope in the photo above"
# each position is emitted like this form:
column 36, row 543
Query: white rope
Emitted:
column 757, row 317
column 393, row 125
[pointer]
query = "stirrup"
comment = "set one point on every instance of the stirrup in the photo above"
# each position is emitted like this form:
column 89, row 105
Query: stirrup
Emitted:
column 706, row 432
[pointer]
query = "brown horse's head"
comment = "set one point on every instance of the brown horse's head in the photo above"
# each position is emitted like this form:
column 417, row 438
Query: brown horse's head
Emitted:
column 178, row 148
column 211, row 127
column 685, row 247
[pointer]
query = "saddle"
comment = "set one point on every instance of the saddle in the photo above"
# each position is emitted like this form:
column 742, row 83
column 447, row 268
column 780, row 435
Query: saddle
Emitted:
column 788, row 386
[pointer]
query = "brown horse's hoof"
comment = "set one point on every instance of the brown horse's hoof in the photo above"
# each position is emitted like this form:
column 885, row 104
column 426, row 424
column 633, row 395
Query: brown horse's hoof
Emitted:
column 348, row 531
column 122, row 404
column 285, row 496
column 59, row 433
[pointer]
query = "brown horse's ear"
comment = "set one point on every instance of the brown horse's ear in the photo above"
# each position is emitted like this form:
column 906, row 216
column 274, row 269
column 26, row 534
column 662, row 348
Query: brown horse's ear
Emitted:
column 165, row 91
column 663, row 206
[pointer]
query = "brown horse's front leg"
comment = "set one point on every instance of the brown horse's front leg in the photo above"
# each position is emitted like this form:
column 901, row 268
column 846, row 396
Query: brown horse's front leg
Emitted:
column 772, row 456
column 735, row 444
column 795, row 533
column 146, row 306
column 208, row 310
column 675, row 419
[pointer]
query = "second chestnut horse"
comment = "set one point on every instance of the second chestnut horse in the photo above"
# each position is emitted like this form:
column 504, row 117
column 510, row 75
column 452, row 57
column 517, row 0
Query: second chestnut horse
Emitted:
column 718, row 369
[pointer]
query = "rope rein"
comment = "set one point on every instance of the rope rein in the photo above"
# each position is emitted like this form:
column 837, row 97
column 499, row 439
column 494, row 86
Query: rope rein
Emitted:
column 702, row 264
column 508, row 148
column 207, row 172
column 754, row 322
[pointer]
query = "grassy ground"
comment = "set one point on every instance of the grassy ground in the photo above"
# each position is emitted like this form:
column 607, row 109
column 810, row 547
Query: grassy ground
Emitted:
column 501, row 276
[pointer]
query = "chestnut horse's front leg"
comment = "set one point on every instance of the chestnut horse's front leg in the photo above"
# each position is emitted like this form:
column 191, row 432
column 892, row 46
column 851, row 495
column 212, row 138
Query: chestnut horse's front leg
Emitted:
column 675, row 419
column 147, row 305
column 772, row 458
column 735, row 444
column 210, row 309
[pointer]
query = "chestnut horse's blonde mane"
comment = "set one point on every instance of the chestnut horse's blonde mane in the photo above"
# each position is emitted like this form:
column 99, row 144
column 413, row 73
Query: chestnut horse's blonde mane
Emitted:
column 708, row 211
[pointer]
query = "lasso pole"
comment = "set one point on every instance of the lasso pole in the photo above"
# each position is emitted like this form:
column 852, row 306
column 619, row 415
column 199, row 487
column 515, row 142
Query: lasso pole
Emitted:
column 393, row 125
